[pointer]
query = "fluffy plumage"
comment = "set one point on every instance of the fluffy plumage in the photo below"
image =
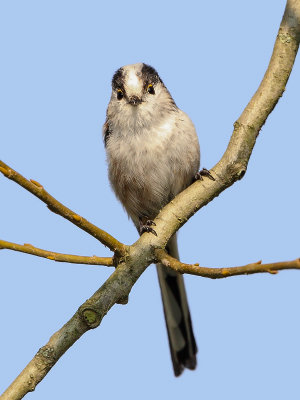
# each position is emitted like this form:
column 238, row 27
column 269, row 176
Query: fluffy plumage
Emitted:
column 153, row 154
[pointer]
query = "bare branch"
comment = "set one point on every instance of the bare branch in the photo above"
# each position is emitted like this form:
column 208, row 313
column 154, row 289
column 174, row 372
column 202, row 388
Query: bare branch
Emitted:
column 218, row 273
column 88, row 316
column 54, row 205
column 50, row 255
column 233, row 164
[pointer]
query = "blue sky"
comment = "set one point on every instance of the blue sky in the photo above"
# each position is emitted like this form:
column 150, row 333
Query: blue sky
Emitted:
column 57, row 60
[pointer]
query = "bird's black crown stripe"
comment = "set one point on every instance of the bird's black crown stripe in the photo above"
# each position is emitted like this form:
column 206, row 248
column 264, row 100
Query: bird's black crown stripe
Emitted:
column 118, row 79
column 149, row 75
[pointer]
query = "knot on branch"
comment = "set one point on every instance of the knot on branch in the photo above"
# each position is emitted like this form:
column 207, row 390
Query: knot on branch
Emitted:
column 37, row 184
column 123, row 300
column 90, row 316
column 31, row 383
column 237, row 170
column 285, row 38
column 47, row 356
column 240, row 170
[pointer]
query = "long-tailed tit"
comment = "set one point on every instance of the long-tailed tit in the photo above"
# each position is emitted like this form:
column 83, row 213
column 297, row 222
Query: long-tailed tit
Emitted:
column 153, row 154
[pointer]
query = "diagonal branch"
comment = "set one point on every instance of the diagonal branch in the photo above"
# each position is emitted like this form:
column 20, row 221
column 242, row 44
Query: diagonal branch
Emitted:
column 218, row 273
column 88, row 316
column 233, row 164
column 51, row 255
column 54, row 205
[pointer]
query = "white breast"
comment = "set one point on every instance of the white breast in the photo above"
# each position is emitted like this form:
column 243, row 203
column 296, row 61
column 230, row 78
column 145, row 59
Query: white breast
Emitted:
column 149, row 166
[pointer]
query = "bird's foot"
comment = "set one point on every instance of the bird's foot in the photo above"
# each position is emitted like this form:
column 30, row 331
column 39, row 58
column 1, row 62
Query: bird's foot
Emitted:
column 204, row 172
column 146, row 225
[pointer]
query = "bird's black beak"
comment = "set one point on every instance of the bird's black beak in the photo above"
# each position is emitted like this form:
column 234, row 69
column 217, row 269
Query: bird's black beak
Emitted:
column 134, row 100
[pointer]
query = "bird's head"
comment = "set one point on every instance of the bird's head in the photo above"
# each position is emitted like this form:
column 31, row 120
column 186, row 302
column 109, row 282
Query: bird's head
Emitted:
column 139, row 92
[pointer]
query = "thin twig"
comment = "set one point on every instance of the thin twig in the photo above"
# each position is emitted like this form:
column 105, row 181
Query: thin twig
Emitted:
column 218, row 273
column 51, row 255
column 54, row 205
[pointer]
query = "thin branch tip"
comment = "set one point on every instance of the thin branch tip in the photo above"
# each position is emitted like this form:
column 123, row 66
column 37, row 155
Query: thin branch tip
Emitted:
column 224, row 272
column 55, row 206
column 53, row 256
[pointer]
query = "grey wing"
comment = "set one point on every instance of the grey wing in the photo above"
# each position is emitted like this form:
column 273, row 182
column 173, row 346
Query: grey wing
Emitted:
column 106, row 132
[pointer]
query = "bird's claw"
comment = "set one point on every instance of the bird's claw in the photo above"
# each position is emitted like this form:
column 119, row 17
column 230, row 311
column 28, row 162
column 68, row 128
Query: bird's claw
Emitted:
column 145, row 226
column 148, row 229
column 204, row 172
column 149, row 222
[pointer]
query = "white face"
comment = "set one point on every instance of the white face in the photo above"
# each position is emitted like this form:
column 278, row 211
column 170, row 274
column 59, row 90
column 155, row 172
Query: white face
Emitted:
column 138, row 97
column 133, row 83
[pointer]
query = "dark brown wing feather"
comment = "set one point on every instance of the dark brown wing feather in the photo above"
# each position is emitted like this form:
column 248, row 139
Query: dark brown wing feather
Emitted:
column 178, row 321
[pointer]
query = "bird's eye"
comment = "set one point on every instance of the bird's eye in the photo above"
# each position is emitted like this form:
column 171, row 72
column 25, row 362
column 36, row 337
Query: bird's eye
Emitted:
column 150, row 89
column 119, row 94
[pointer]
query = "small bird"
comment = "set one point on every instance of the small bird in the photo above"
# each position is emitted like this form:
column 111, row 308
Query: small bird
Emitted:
column 153, row 154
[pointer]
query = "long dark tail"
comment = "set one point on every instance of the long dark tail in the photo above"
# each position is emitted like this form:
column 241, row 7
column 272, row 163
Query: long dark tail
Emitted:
column 177, row 315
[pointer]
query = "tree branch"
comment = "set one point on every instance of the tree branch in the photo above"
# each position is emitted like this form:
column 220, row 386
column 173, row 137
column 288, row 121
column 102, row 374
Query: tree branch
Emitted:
column 219, row 273
column 50, row 255
column 230, row 168
column 54, row 205
column 88, row 316
column 233, row 164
